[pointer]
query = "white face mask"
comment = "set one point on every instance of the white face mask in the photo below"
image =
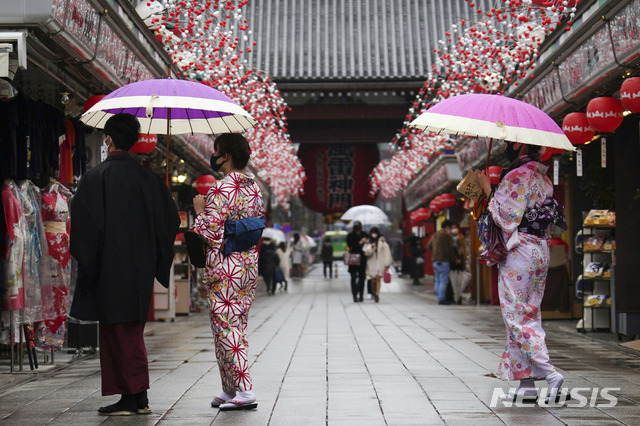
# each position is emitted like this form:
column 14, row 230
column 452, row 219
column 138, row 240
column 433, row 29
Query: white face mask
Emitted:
column 454, row 231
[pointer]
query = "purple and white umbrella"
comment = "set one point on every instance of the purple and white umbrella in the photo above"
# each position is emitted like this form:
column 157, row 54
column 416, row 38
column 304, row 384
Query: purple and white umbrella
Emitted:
column 493, row 116
column 172, row 107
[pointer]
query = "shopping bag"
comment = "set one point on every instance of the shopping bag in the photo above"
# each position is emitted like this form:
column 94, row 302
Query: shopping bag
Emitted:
column 352, row 259
column 387, row 276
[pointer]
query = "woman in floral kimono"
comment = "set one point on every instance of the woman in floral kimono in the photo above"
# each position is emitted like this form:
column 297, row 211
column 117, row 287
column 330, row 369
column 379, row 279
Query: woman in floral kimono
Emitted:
column 522, row 206
column 230, row 280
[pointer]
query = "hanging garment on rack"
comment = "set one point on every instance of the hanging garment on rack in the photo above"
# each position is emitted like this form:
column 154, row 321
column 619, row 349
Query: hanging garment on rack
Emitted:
column 13, row 248
column 66, row 153
column 55, row 214
column 35, row 243
column 12, row 260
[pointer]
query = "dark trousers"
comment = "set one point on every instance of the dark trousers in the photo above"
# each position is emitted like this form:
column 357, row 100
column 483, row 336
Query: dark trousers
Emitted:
column 325, row 265
column 358, row 275
column 270, row 281
column 123, row 358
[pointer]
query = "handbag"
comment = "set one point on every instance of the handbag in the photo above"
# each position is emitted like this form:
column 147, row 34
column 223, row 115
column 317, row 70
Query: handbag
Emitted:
column 387, row 276
column 196, row 249
column 492, row 246
column 352, row 259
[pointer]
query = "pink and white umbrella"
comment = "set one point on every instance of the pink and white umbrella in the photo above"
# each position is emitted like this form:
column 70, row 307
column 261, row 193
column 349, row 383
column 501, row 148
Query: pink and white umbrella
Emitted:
column 171, row 107
column 168, row 106
column 493, row 116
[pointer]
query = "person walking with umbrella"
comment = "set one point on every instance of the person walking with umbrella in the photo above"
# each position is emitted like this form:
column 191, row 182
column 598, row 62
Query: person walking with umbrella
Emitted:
column 522, row 207
column 230, row 280
column 122, row 234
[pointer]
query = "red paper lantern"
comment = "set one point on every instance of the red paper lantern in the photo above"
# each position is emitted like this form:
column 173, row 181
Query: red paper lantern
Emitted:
column 420, row 215
column 146, row 144
column 92, row 101
column 434, row 205
column 447, row 200
column 630, row 94
column 203, row 183
column 494, row 174
column 605, row 114
column 577, row 128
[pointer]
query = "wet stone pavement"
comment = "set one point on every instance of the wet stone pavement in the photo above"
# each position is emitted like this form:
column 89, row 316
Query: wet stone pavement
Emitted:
column 317, row 358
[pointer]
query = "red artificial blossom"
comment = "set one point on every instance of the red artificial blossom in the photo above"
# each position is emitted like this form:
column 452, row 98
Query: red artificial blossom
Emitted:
column 207, row 41
column 500, row 48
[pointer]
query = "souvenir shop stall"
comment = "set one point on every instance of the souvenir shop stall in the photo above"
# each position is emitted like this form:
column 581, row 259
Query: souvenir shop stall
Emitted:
column 56, row 58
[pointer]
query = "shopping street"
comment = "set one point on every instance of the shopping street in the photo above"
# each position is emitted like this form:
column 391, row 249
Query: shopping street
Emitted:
column 318, row 358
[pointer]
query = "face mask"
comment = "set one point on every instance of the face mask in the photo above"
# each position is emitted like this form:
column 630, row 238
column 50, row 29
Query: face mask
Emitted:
column 511, row 153
column 374, row 236
column 214, row 165
column 454, row 231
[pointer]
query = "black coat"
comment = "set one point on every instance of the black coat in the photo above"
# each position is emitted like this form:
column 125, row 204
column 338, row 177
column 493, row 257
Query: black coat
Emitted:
column 123, row 227
column 353, row 243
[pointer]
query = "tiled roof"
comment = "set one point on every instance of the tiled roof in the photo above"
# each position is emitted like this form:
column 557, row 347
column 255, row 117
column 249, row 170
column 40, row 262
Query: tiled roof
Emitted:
column 350, row 39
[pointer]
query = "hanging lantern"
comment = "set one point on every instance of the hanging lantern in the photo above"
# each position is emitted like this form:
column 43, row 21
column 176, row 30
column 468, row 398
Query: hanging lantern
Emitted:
column 420, row 215
column 434, row 206
column 549, row 152
column 630, row 94
column 447, row 200
column 494, row 174
column 604, row 114
column 204, row 183
column 577, row 128
column 146, row 144
column 92, row 101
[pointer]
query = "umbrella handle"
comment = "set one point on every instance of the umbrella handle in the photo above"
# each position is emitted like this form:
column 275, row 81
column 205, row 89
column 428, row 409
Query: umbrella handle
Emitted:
column 489, row 153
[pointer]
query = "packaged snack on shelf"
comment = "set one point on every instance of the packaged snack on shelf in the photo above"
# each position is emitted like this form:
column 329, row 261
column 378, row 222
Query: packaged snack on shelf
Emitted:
column 611, row 218
column 594, row 243
column 609, row 244
column 597, row 217
column 597, row 270
column 596, row 300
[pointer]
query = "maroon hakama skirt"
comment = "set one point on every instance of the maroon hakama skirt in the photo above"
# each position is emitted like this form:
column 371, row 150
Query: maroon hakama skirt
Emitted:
column 123, row 359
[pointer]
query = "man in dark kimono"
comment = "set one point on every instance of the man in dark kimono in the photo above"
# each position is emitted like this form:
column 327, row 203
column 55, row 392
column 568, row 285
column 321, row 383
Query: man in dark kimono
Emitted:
column 123, row 227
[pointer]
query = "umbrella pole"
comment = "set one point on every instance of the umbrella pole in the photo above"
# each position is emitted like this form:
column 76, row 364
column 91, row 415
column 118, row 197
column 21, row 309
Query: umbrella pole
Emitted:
column 489, row 152
column 168, row 182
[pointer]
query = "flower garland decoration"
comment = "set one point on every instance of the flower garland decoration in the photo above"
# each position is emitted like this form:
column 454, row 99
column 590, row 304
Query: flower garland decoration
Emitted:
column 206, row 41
column 485, row 56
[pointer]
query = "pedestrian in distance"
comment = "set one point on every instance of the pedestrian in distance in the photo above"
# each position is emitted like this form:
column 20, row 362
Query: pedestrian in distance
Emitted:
column 230, row 281
column 522, row 207
column 379, row 259
column 297, row 254
column 417, row 259
column 355, row 240
column 123, row 227
column 459, row 277
column 269, row 261
column 442, row 256
column 284, row 256
column 327, row 256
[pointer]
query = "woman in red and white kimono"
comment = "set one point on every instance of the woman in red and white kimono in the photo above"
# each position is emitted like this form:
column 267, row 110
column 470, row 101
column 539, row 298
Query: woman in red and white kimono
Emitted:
column 230, row 280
